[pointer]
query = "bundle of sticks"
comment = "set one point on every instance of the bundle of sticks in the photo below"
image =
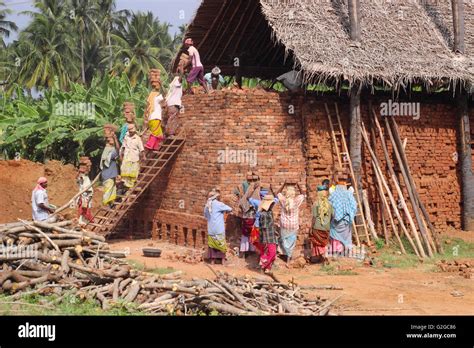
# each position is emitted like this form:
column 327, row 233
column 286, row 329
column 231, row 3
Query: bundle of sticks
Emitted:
column 56, row 258
column 418, row 229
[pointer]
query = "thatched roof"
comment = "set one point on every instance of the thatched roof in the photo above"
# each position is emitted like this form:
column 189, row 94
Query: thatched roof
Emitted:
column 402, row 41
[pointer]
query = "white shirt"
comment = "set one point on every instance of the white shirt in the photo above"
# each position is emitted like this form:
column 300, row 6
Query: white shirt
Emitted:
column 156, row 114
column 38, row 197
column 175, row 94
column 131, row 148
column 194, row 56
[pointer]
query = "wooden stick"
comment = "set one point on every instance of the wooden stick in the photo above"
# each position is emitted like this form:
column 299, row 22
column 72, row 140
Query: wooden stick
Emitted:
column 410, row 192
column 65, row 206
column 415, row 191
column 54, row 227
column 387, row 189
column 42, row 233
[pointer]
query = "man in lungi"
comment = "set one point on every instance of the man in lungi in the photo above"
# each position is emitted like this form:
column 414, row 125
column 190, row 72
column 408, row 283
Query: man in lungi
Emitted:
column 197, row 70
column 214, row 211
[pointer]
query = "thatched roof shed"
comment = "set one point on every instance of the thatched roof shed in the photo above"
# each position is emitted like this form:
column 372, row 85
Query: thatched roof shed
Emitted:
column 402, row 41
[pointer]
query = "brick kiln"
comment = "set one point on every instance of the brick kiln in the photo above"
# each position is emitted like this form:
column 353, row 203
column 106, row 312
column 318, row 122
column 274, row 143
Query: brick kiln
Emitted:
column 288, row 145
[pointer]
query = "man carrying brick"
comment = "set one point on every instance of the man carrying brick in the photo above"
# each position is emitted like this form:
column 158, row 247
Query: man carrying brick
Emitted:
column 197, row 70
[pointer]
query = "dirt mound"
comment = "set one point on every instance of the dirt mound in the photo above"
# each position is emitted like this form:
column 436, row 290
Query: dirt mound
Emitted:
column 18, row 178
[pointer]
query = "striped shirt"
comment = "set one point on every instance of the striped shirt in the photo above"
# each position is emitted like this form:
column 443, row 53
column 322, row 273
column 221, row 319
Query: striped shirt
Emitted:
column 289, row 219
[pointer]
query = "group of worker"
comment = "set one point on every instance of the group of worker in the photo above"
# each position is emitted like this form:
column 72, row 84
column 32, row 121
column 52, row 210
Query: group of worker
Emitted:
column 120, row 159
column 333, row 211
column 332, row 217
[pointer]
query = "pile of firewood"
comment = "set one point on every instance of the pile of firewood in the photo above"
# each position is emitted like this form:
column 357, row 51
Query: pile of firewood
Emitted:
column 57, row 258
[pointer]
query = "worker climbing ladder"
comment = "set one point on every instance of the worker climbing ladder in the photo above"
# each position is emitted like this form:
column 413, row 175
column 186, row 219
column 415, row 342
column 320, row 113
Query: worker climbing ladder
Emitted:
column 344, row 160
column 107, row 218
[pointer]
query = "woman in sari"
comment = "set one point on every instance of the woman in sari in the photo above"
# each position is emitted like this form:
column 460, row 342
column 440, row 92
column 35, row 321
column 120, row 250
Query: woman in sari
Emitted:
column 319, row 237
column 214, row 211
column 268, row 237
column 153, row 113
column 289, row 220
column 109, row 168
column 345, row 208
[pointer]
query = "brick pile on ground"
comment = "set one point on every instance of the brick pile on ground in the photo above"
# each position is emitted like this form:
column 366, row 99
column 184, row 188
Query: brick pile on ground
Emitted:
column 462, row 267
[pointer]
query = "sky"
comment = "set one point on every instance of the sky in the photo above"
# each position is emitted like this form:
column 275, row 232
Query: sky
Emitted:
column 175, row 12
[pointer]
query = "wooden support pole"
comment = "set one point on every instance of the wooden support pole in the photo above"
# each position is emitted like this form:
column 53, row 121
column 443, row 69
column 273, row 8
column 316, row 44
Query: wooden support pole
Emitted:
column 354, row 19
column 458, row 25
column 355, row 140
column 465, row 157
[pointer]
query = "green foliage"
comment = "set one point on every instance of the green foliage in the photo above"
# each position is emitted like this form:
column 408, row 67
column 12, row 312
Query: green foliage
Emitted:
column 379, row 243
column 68, row 305
column 142, row 267
column 6, row 27
column 79, row 40
column 36, row 129
column 456, row 249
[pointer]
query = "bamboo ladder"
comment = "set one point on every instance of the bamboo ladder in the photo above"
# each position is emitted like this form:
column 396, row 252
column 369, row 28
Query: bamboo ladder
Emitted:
column 107, row 218
column 340, row 146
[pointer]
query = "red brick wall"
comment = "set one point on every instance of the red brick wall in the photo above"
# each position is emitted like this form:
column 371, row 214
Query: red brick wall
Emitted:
column 288, row 146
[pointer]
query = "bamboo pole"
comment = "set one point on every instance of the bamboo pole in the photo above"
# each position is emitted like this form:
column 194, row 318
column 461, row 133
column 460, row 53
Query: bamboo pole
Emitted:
column 397, row 186
column 411, row 187
column 396, row 135
column 387, row 207
column 65, row 206
column 419, row 253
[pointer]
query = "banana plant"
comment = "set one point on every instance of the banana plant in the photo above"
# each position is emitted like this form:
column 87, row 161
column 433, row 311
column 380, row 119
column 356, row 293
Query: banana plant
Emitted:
column 44, row 127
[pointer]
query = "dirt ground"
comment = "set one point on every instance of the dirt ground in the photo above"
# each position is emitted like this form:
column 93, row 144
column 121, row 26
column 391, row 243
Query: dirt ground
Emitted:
column 18, row 178
column 366, row 290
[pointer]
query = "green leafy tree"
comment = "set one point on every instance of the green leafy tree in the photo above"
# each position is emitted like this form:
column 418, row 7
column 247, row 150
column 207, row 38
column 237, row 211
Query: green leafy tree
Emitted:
column 46, row 48
column 84, row 14
column 140, row 43
column 40, row 129
column 6, row 27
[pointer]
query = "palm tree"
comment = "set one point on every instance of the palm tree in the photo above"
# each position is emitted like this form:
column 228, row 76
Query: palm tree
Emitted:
column 5, row 26
column 47, row 47
column 84, row 15
column 110, row 17
column 140, row 43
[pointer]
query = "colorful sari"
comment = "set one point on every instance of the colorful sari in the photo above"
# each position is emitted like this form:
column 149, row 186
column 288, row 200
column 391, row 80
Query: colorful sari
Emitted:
column 110, row 191
column 156, row 136
column 129, row 172
column 247, row 225
column 217, row 247
column 255, row 239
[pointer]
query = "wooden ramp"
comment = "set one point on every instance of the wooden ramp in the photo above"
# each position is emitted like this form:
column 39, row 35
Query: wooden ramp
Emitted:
column 107, row 218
